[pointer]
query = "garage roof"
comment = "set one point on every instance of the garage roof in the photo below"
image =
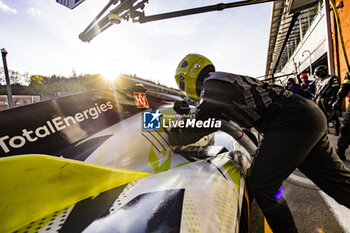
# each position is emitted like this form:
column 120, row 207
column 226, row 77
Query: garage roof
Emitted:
column 289, row 21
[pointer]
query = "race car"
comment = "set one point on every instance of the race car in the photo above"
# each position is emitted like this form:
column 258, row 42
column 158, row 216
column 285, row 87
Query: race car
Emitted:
column 86, row 163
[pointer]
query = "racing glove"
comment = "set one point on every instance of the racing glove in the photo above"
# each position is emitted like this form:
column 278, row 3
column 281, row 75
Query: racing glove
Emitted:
column 181, row 107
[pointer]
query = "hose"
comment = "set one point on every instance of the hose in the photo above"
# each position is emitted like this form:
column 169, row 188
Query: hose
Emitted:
column 335, row 10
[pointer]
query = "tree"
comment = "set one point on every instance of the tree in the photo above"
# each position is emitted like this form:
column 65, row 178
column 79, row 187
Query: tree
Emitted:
column 36, row 80
column 74, row 74
column 15, row 77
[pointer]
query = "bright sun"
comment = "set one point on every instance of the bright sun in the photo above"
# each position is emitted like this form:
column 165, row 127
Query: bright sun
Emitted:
column 110, row 78
column 110, row 74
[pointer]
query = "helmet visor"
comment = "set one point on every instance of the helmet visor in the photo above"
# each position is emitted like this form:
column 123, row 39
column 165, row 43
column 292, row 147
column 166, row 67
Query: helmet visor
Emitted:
column 319, row 74
column 182, row 83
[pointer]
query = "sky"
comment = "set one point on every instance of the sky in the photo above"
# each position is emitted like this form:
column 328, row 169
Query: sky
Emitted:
column 41, row 37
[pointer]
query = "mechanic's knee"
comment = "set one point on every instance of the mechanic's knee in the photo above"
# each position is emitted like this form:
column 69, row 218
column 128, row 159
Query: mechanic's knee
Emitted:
column 265, row 198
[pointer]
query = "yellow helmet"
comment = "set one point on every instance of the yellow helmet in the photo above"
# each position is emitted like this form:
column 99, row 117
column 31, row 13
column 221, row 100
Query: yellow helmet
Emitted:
column 191, row 72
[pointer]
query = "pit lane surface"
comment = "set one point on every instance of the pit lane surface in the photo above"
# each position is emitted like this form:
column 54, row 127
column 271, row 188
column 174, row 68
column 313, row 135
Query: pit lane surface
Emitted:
column 313, row 210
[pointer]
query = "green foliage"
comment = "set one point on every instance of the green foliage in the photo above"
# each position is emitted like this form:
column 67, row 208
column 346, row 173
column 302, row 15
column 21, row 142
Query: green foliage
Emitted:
column 36, row 80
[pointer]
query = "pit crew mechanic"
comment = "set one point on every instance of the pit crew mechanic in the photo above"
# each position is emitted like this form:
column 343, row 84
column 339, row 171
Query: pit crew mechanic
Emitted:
column 326, row 88
column 291, row 140
column 344, row 138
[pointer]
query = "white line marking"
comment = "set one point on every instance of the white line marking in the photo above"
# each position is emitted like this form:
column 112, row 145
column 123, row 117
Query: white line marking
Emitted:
column 341, row 213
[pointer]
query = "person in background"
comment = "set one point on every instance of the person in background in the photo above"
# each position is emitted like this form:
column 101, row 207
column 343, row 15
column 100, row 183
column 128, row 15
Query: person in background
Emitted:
column 344, row 138
column 306, row 85
column 294, row 87
column 326, row 90
column 294, row 134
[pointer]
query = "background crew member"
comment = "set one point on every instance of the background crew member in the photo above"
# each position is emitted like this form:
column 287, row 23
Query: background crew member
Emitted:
column 306, row 86
column 344, row 139
column 275, row 112
column 294, row 87
column 327, row 87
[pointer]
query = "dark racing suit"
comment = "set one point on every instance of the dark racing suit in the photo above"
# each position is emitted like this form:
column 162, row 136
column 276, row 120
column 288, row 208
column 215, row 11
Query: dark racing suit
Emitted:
column 325, row 95
column 307, row 88
column 296, row 88
column 294, row 136
column 344, row 139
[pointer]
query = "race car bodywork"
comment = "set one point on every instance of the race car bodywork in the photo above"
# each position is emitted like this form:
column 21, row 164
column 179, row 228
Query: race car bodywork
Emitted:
column 84, row 163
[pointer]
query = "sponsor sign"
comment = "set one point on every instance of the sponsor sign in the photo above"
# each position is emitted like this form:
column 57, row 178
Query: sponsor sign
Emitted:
column 60, row 126
column 50, row 127
column 141, row 100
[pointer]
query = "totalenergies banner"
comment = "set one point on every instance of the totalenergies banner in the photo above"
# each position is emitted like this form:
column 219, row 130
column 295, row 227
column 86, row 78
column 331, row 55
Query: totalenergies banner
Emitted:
column 55, row 126
column 50, row 127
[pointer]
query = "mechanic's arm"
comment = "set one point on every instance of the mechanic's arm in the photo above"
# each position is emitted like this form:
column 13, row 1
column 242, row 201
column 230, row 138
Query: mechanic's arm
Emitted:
column 213, row 103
